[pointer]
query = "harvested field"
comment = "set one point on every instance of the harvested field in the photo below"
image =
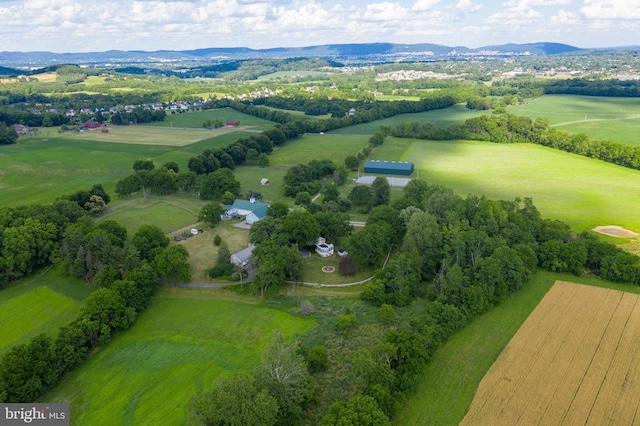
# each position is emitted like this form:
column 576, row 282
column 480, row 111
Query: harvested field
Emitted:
column 575, row 360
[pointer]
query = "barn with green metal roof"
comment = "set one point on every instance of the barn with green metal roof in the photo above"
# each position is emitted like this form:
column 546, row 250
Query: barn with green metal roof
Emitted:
column 388, row 167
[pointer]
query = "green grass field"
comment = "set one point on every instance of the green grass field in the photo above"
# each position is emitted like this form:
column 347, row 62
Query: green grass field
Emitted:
column 181, row 344
column 453, row 374
column 569, row 108
column 194, row 120
column 42, row 168
column 250, row 176
column 168, row 213
column 442, row 117
column 623, row 130
column 143, row 135
column 40, row 304
column 599, row 117
column 317, row 147
column 580, row 191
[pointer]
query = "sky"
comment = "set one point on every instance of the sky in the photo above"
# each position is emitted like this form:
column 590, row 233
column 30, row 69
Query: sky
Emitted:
column 100, row 25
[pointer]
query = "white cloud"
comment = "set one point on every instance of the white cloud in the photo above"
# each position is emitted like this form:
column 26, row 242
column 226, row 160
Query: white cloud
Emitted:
column 467, row 6
column 421, row 5
column 611, row 9
column 384, row 12
column 535, row 3
column 565, row 18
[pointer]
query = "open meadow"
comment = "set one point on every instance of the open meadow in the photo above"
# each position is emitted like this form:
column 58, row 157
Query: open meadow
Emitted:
column 39, row 304
column 182, row 343
column 580, row 191
column 573, row 361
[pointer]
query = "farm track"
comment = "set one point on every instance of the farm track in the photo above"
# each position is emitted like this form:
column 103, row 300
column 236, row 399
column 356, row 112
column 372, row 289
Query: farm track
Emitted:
column 633, row 117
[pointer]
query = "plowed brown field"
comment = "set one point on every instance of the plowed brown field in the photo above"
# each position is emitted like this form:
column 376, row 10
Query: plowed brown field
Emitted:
column 575, row 360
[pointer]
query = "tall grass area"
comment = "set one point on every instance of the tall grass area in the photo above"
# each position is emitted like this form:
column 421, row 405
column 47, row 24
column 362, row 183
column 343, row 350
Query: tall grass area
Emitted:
column 181, row 344
column 39, row 304
column 453, row 374
column 580, row 191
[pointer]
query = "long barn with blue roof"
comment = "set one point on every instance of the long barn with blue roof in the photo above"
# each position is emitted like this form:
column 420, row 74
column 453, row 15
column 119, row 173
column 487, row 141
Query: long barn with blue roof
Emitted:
column 388, row 167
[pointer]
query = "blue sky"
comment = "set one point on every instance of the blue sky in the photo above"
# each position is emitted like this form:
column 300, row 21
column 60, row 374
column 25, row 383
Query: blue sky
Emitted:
column 99, row 25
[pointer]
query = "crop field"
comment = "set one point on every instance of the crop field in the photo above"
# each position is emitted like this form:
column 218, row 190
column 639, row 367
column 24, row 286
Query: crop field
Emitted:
column 194, row 120
column 146, row 375
column 573, row 361
column 40, row 304
column 580, row 191
column 452, row 376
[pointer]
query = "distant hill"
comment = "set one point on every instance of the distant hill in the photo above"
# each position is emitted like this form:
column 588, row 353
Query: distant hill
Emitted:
column 341, row 52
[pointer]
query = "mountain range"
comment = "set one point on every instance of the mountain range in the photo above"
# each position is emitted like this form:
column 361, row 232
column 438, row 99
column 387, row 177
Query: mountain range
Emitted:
column 340, row 52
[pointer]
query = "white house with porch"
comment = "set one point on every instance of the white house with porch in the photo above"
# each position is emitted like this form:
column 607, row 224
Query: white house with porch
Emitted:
column 323, row 248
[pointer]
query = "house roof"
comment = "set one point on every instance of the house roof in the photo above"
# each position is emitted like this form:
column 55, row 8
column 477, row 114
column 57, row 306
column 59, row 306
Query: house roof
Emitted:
column 91, row 124
column 258, row 208
column 245, row 254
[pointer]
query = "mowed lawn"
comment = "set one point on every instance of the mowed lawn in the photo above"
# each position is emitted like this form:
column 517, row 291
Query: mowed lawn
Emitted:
column 40, row 304
column 580, row 191
column 182, row 343
column 452, row 376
